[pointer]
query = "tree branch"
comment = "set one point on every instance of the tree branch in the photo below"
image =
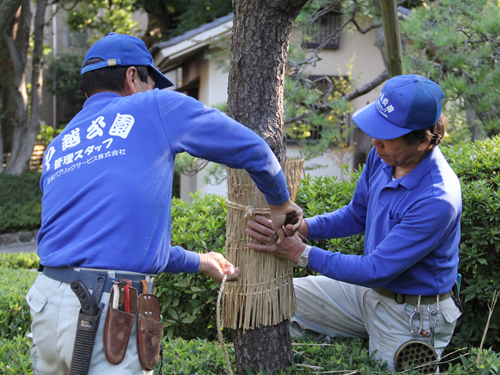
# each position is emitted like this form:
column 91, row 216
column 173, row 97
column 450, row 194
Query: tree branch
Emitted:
column 349, row 97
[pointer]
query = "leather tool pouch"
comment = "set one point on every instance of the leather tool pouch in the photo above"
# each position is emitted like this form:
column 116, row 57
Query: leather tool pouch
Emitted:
column 119, row 323
column 149, row 329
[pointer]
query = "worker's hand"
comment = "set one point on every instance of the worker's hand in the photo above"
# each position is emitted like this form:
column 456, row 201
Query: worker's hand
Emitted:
column 278, row 218
column 216, row 266
column 260, row 229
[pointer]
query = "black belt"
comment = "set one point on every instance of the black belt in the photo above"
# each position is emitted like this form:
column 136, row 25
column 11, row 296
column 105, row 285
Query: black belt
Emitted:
column 92, row 277
column 411, row 299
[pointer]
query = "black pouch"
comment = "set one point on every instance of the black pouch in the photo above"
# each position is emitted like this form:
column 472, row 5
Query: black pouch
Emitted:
column 118, row 324
column 149, row 329
column 455, row 294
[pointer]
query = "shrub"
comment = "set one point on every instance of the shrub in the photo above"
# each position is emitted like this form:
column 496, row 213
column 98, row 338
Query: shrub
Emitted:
column 204, row 357
column 20, row 202
column 15, row 355
column 188, row 301
column 15, row 317
column 478, row 168
column 19, row 260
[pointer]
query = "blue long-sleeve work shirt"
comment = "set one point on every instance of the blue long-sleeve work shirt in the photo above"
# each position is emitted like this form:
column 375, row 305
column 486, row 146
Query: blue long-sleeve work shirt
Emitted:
column 411, row 226
column 107, row 179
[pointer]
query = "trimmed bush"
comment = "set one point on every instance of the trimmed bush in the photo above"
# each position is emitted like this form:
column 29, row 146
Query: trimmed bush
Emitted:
column 15, row 316
column 478, row 167
column 204, row 357
column 19, row 260
column 188, row 301
column 20, row 202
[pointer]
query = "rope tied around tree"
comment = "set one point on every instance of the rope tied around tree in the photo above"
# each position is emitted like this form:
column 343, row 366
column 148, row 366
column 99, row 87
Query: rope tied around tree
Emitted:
column 249, row 210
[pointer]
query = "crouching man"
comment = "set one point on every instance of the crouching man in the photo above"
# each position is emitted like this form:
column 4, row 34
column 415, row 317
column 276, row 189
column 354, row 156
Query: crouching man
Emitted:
column 408, row 204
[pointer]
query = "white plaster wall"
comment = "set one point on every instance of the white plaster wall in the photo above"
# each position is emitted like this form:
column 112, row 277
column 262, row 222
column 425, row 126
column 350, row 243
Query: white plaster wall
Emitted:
column 331, row 161
column 217, row 82
column 355, row 48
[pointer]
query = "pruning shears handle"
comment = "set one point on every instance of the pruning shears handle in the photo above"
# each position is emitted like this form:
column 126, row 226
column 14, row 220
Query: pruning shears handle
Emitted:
column 290, row 219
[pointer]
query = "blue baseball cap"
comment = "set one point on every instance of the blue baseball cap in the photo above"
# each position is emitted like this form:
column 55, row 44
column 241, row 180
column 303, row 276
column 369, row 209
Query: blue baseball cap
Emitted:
column 406, row 103
column 123, row 50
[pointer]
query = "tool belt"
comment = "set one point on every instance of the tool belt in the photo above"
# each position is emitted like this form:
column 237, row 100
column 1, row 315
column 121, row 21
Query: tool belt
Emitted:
column 90, row 277
column 124, row 305
column 410, row 298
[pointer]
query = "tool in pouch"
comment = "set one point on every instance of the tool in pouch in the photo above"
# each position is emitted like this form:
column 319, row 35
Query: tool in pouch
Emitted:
column 289, row 220
column 124, row 305
column 149, row 329
column 88, row 322
column 119, row 321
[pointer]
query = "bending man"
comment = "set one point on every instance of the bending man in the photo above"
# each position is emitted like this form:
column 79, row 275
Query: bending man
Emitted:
column 107, row 186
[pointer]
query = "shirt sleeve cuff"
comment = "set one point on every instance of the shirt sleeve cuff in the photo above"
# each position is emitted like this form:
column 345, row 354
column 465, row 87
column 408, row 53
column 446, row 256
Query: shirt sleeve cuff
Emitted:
column 192, row 262
column 317, row 257
column 313, row 228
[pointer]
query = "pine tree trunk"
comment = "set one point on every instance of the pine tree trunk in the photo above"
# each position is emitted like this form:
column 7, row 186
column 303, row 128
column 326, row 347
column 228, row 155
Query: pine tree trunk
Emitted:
column 260, row 40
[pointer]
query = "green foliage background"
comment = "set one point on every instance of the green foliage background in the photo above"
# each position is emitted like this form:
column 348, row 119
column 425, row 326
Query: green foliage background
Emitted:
column 20, row 202
column 189, row 300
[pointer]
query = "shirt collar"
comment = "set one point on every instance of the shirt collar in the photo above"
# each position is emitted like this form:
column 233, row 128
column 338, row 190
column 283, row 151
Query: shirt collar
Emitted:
column 413, row 179
column 100, row 97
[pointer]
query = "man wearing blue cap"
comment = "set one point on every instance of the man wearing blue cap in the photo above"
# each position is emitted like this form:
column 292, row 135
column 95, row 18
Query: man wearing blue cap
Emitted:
column 408, row 204
column 107, row 187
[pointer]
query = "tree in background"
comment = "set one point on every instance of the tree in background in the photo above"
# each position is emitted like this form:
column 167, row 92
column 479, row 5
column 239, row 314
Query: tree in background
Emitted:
column 20, row 123
column 457, row 44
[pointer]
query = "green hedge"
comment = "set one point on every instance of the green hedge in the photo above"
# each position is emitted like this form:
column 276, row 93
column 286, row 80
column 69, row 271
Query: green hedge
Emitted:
column 478, row 167
column 181, row 357
column 14, row 311
column 20, row 202
column 188, row 301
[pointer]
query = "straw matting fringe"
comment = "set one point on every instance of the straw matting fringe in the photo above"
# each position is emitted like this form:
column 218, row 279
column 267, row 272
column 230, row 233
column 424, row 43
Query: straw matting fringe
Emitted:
column 264, row 292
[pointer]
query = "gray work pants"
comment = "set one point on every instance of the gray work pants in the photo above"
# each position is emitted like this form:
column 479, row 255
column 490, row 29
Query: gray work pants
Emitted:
column 54, row 308
column 339, row 309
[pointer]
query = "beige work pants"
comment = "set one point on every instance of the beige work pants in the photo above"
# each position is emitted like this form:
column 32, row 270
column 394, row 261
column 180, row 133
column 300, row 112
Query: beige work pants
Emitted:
column 339, row 309
column 54, row 308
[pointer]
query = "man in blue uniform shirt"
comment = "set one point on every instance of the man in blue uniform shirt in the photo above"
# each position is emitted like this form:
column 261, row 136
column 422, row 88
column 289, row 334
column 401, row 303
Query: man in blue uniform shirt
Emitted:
column 107, row 187
column 408, row 204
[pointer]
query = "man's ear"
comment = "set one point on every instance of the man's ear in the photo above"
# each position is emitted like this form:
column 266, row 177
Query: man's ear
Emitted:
column 131, row 76
column 424, row 145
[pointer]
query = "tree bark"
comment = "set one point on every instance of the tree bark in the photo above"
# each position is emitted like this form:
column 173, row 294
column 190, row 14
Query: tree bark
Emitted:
column 266, row 348
column 1, row 134
column 8, row 9
column 474, row 124
column 260, row 40
column 26, row 131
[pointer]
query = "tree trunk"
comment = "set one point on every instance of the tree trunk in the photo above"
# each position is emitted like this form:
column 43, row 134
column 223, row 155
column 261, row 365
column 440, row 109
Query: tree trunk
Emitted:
column 8, row 9
column 26, row 131
column 474, row 124
column 362, row 141
column 260, row 40
column 267, row 347
column 1, row 135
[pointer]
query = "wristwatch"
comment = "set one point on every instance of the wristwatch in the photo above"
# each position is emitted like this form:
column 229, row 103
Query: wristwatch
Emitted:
column 303, row 260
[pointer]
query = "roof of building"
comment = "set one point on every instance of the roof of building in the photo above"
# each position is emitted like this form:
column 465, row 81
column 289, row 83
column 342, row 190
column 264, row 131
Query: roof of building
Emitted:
column 191, row 33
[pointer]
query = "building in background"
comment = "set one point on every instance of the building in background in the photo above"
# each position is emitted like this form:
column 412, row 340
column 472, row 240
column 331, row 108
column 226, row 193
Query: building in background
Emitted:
column 183, row 60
